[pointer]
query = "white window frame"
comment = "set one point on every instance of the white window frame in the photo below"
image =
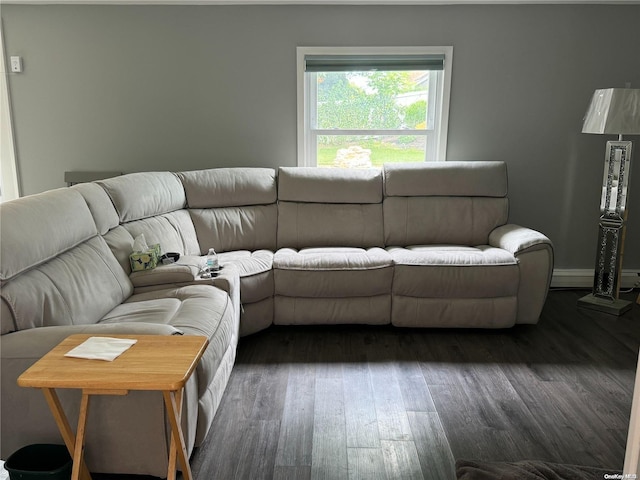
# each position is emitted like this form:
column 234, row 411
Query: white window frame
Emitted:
column 307, row 136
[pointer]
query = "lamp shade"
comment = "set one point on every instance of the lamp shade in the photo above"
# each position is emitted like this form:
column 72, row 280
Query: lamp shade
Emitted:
column 614, row 111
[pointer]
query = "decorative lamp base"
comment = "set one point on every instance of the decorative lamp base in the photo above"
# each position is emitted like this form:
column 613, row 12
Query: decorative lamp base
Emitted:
column 612, row 307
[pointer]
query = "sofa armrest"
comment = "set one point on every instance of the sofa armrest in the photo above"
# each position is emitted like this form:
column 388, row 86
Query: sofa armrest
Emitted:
column 25, row 417
column 35, row 342
column 534, row 253
column 186, row 270
column 227, row 279
column 517, row 239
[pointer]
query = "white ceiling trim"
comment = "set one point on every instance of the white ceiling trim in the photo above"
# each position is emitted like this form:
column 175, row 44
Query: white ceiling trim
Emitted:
column 321, row 2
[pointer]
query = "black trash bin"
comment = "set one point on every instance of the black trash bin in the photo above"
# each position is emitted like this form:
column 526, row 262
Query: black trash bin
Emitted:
column 40, row 462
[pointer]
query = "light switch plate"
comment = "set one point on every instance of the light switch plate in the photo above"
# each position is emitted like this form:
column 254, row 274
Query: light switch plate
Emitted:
column 16, row 64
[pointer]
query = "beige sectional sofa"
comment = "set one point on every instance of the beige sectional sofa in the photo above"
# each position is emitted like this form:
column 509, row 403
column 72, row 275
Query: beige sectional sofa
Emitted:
column 410, row 245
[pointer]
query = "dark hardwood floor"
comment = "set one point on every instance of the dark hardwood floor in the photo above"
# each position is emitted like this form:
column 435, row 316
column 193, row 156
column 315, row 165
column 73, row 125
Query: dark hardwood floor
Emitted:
column 346, row 403
column 388, row 403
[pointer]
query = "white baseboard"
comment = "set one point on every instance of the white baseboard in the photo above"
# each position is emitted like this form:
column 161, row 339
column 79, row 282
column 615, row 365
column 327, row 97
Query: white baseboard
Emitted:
column 583, row 278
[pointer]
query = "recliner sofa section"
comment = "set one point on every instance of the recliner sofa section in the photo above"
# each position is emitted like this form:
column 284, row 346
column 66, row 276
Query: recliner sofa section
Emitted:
column 235, row 211
column 58, row 276
column 457, row 261
column 153, row 204
column 331, row 266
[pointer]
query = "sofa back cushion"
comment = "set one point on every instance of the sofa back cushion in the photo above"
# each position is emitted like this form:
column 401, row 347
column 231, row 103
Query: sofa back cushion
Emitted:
column 102, row 208
column 444, row 202
column 324, row 207
column 229, row 187
column 173, row 231
column 37, row 228
column 56, row 269
column 145, row 194
column 232, row 208
column 152, row 204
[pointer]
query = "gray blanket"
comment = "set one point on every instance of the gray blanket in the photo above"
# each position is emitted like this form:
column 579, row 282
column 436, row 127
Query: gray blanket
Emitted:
column 530, row 470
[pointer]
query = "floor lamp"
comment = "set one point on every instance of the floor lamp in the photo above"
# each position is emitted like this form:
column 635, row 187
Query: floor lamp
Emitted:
column 613, row 111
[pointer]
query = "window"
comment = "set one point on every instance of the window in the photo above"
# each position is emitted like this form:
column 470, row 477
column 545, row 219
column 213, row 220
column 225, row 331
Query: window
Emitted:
column 362, row 107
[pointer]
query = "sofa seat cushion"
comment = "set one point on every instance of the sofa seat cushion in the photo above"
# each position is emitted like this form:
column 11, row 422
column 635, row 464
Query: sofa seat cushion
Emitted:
column 194, row 310
column 332, row 272
column 255, row 270
column 453, row 271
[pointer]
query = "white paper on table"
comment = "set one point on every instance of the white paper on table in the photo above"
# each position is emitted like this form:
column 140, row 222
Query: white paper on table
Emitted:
column 101, row 348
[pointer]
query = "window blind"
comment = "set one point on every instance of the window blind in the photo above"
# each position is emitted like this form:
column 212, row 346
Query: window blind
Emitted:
column 364, row 63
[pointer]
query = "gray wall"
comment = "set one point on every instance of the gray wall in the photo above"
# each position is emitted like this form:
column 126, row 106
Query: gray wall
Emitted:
column 136, row 88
